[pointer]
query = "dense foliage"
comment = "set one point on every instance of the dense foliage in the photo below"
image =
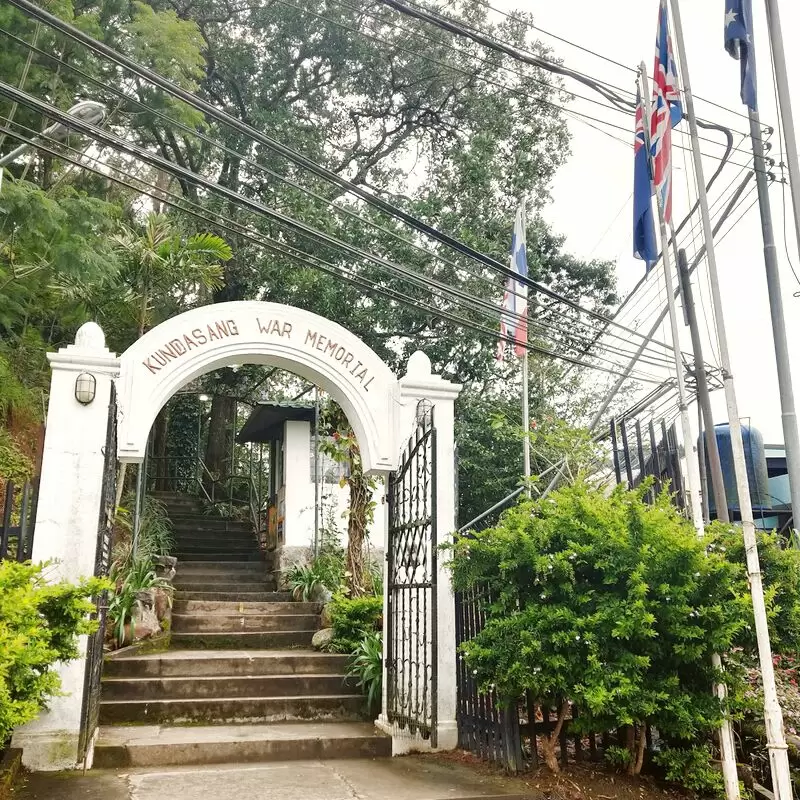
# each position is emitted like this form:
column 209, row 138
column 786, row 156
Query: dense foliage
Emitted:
column 439, row 128
column 608, row 602
column 39, row 625
column 133, row 567
column 353, row 620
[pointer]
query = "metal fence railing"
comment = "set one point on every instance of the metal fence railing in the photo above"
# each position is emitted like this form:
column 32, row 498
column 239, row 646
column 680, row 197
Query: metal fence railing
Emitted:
column 18, row 517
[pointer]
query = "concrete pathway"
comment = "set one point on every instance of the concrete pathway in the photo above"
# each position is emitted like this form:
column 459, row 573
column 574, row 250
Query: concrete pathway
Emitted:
column 410, row 778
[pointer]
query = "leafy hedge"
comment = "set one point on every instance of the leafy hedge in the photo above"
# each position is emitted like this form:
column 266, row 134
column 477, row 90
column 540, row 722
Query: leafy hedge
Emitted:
column 611, row 603
column 39, row 625
column 353, row 619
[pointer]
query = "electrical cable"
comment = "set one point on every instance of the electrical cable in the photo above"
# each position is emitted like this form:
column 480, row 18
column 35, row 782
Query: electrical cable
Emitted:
column 249, row 161
column 36, row 12
column 180, row 203
column 586, row 119
column 591, row 52
column 33, row 133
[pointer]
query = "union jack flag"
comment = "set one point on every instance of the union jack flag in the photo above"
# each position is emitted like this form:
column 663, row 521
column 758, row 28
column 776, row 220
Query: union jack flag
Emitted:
column 667, row 112
column 644, row 230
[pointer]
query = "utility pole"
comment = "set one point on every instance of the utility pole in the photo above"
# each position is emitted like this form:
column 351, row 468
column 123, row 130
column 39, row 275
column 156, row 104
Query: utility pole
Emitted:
column 773, row 717
column 785, row 110
column 791, row 437
column 703, row 394
column 692, row 466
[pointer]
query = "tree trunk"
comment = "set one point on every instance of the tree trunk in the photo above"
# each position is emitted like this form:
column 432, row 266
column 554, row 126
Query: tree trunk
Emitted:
column 638, row 761
column 549, row 742
column 218, row 457
column 357, row 532
column 160, row 429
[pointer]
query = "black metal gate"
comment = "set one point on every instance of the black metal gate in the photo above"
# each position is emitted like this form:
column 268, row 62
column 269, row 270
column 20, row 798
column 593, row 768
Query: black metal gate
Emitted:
column 411, row 649
column 90, row 712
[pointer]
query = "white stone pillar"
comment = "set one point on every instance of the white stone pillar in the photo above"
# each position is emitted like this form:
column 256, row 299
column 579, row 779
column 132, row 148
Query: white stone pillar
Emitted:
column 67, row 520
column 419, row 383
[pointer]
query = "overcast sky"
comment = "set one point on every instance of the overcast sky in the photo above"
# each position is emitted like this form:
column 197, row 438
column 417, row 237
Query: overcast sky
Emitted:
column 592, row 202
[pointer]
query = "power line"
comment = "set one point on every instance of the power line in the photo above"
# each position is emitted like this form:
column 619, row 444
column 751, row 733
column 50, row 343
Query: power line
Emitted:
column 240, row 200
column 180, row 203
column 156, row 79
column 121, row 60
column 533, row 26
column 628, row 109
column 254, row 164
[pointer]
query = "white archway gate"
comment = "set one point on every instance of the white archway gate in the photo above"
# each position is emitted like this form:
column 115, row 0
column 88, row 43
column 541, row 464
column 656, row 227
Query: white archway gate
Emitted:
column 381, row 408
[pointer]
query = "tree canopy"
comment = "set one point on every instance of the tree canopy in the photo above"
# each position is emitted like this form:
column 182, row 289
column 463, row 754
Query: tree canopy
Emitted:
column 436, row 125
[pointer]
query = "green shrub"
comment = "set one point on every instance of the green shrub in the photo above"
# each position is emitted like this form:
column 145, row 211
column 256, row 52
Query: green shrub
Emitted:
column 606, row 601
column 39, row 625
column 352, row 619
column 780, row 568
column 691, row 768
column 618, row 757
column 366, row 666
column 155, row 529
column 303, row 581
column 14, row 464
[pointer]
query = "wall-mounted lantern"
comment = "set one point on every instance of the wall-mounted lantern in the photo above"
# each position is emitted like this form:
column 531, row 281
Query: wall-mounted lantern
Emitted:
column 85, row 388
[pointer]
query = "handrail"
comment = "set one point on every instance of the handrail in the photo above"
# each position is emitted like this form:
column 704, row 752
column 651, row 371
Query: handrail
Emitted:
column 489, row 511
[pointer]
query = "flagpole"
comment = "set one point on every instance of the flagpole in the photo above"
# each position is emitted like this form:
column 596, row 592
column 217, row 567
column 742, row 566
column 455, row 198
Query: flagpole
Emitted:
column 693, row 470
column 785, row 110
column 791, row 437
column 526, row 415
column 773, row 718
column 526, row 422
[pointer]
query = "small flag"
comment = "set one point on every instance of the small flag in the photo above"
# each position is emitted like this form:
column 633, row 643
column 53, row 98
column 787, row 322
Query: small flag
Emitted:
column 644, row 229
column 739, row 43
column 667, row 112
column 514, row 319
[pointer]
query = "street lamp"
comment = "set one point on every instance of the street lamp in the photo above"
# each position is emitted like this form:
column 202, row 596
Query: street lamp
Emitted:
column 88, row 111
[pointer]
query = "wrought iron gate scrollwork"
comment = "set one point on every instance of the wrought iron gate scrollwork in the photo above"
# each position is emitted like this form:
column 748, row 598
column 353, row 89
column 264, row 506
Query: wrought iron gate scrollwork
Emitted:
column 411, row 649
column 90, row 711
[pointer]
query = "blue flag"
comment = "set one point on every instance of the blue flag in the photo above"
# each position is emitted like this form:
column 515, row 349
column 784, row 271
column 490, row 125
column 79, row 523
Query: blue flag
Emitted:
column 644, row 228
column 739, row 43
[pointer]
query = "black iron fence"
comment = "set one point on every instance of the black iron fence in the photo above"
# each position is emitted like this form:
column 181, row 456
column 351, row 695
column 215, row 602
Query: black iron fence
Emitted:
column 18, row 516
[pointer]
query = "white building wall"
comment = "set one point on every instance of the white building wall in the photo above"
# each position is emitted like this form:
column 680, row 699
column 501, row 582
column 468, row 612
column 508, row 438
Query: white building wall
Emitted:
column 299, row 500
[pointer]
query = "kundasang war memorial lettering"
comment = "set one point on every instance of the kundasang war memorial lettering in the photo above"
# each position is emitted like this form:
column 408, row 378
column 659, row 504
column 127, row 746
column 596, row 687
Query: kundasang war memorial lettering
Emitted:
column 215, row 331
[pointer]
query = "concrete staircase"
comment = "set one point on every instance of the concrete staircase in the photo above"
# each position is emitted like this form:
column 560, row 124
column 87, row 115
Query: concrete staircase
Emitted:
column 239, row 682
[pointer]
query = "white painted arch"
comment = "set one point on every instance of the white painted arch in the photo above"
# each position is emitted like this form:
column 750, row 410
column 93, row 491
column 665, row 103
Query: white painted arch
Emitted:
column 251, row 332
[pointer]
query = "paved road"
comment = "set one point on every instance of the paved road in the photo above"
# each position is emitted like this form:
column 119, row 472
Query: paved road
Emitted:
column 409, row 778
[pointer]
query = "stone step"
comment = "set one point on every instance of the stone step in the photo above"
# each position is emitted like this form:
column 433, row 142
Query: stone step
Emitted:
column 233, row 623
column 227, row 710
column 162, row 746
column 194, row 555
column 243, row 640
column 187, row 522
column 181, row 606
column 227, row 686
column 218, row 547
column 220, row 541
column 210, row 663
column 228, row 589
column 233, row 596
column 212, row 568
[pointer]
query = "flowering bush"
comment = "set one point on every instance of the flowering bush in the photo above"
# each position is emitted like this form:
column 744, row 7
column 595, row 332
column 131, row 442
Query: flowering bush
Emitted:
column 607, row 602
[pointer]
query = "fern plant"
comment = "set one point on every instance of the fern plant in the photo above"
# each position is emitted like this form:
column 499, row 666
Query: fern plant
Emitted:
column 366, row 667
